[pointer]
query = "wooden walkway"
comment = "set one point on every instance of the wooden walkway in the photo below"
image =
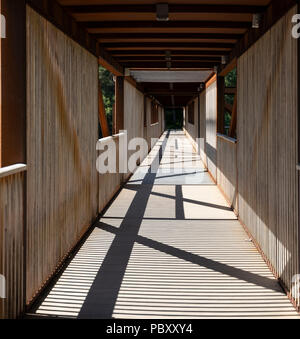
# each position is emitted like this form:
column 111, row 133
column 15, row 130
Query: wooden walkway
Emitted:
column 168, row 247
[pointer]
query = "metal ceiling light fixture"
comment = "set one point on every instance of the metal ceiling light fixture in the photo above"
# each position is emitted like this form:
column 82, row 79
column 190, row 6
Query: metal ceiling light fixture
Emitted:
column 257, row 20
column 224, row 59
column 201, row 87
column 162, row 12
column 168, row 59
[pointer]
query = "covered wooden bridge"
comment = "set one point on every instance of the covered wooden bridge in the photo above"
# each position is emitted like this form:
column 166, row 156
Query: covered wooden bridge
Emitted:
column 207, row 225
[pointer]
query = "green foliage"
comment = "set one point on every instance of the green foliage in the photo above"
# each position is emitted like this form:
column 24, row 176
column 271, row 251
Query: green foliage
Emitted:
column 108, row 91
column 174, row 118
column 231, row 79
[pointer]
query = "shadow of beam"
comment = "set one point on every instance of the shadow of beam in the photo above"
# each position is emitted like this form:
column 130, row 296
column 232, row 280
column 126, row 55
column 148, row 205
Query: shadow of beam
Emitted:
column 104, row 291
column 202, row 203
column 216, row 266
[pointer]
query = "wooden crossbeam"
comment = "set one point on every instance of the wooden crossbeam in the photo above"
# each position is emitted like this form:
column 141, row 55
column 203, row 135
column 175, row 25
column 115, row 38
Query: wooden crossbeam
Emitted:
column 230, row 90
column 165, row 45
column 228, row 107
column 166, row 24
column 202, row 65
column 169, row 36
column 177, row 52
column 173, row 8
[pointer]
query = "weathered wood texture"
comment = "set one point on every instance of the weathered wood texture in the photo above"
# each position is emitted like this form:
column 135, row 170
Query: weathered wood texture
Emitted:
column 134, row 107
column 203, row 127
column 227, row 169
column 211, row 128
column 153, row 131
column 192, row 129
column 109, row 183
column 62, row 130
column 267, row 146
column 11, row 243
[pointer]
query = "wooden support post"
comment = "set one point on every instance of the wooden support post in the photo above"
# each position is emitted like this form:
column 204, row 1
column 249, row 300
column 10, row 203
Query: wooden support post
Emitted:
column 220, row 105
column 232, row 129
column 13, row 84
column 119, row 110
column 102, row 115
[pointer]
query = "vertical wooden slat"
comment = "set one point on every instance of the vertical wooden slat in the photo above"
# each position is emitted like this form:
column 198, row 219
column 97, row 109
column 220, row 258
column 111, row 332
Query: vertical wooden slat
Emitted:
column 62, row 125
column 267, row 147
column 11, row 244
column 226, row 169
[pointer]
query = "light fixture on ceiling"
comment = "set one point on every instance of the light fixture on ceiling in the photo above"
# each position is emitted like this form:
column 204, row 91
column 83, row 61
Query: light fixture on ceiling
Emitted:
column 257, row 20
column 224, row 59
column 162, row 12
column 168, row 55
column 201, row 87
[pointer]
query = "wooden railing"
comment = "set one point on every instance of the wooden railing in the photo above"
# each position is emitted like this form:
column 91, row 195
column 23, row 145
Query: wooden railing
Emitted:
column 227, row 168
column 12, row 221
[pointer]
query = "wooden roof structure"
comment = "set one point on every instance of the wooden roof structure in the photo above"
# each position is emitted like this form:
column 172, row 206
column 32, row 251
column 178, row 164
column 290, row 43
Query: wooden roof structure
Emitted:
column 126, row 34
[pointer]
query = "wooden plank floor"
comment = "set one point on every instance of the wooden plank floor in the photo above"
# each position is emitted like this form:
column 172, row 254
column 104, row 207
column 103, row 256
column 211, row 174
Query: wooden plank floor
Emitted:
column 168, row 247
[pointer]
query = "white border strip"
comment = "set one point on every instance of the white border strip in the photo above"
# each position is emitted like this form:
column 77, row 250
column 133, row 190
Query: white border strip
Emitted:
column 11, row 170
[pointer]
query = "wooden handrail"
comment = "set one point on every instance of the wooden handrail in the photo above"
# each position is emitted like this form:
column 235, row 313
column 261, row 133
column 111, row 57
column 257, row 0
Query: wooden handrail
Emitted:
column 11, row 170
column 226, row 138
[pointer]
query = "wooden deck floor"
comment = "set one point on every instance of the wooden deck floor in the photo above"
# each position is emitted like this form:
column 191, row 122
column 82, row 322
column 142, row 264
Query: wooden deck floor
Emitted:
column 168, row 247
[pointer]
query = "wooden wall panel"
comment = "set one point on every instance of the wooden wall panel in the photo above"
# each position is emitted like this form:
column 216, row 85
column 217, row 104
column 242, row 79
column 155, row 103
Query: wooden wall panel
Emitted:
column 192, row 129
column 203, row 127
column 211, row 129
column 267, row 146
column 227, row 169
column 62, row 131
column 11, row 243
column 134, row 106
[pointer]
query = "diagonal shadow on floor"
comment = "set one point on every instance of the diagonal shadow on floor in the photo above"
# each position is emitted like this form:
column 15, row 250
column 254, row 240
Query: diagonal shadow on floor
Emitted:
column 103, row 294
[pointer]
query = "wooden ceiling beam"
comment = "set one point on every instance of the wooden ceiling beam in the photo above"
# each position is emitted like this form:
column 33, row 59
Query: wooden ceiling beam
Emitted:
column 185, row 94
column 165, row 24
column 158, row 36
column 197, row 53
column 156, row 65
column 173, row 8
column 173, row 58
column 165, row 45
